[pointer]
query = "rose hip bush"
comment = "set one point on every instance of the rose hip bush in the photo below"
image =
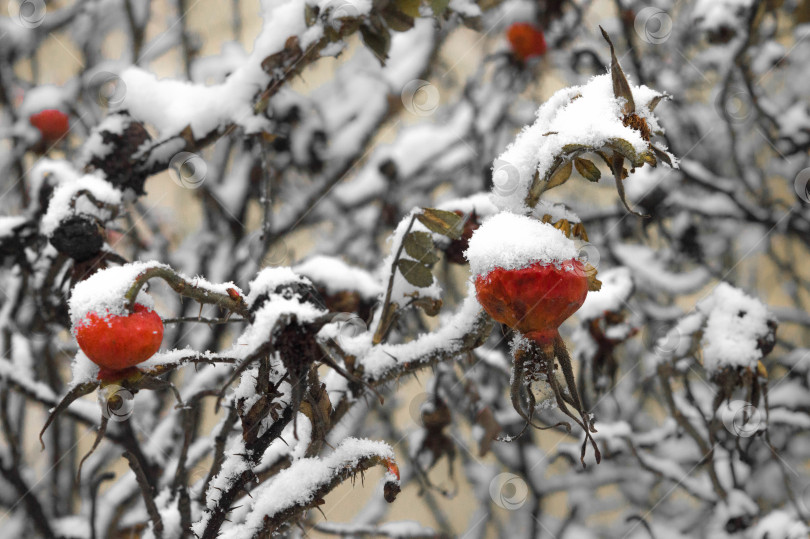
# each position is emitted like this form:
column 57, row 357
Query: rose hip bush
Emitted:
column 429, row 269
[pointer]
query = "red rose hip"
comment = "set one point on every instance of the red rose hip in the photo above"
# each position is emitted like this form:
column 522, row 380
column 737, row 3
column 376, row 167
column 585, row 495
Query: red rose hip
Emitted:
column 527, row 41
column 118, row 342
column 52, row 124
column 527, row 277
column 534, row 300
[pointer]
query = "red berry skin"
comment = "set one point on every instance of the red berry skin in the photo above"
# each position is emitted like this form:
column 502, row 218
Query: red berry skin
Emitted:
column 52, row 124
column 526, row 40
column 534, row 300
column 116, row 343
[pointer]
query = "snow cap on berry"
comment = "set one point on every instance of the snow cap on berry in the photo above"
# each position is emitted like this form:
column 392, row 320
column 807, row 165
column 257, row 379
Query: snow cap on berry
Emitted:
column 739, row 329
column 104, row 291
column 511, row 241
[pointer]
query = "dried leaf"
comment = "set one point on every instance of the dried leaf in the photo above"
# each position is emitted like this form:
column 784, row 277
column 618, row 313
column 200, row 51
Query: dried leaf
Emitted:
column 621, row 88
column 431, row 306
column 442, row 222
column 415, row 272
column 486, row 420
column 587, row 169
column 626, row 149
column 560, row 175
column 76, row 392
column 649, row 158
column 594, row 284
column 655, row 101
column 662, row 155
column 617, row 173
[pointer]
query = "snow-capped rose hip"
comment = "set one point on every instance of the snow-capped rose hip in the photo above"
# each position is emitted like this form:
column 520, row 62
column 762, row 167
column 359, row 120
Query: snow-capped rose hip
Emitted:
column 53, row 124
column 118, row 342
column 526, row 40
column 527, row 277
column 534, row 300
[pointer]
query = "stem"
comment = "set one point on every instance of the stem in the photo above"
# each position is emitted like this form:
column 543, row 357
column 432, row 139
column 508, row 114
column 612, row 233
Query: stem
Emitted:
column 386, row 317
column 187, row 289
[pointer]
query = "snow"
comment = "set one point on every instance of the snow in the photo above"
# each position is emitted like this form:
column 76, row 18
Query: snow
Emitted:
column 398, row 529
column 335, row 276
column 44, row 96
column 589, row 115
column 466, row 8
column 172, row 105
column 296, row 485
column 82, row 369
column 780, row 524
column 415, row 148
column 677, row 341
column 103, row 292
column 264, row 319
column 53, row 171
column 716, row 14
column 735, row 321
column 479, row 203
column 59, row 207
column 379, row 359
column 8, row 224
column 650, row 266
column 215, row 68
column 94, row 146
column 512, row 241
column 617, row 286
column 269, row 279
column 287, row 444
column 555, row 211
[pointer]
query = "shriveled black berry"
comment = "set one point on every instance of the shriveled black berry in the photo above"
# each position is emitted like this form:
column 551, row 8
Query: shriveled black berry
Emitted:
column 78, row 237
column 119, row 164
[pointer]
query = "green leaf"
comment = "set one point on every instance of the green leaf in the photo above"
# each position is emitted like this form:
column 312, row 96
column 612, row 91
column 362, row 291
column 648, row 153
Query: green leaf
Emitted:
column 396, row 20
column 415, row 272
column 442, row 222
column 587, row 169
column 378, row 40
column 409, row 7
column 571, row 148
column 439, row 6
column 419, row 245
column 310, row 16
column 621, row 88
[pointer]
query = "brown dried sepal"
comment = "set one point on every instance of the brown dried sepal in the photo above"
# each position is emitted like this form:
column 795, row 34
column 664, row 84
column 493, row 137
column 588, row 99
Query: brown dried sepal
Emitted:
column 634, row 121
